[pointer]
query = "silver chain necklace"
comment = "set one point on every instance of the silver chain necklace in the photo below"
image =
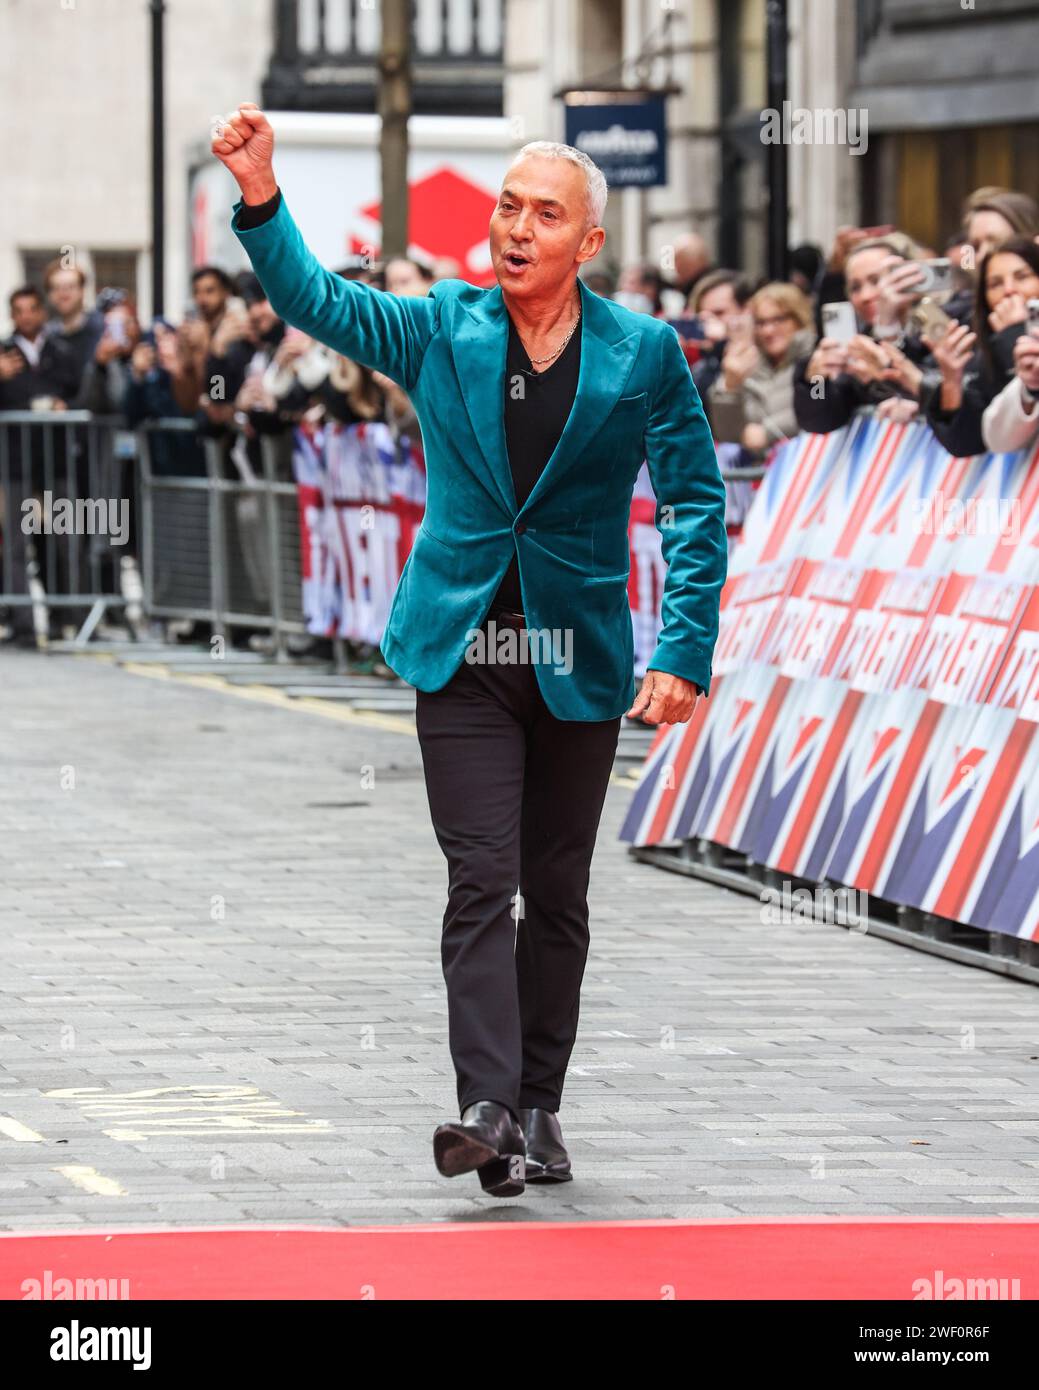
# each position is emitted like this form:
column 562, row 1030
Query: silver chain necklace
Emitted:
column 535, row 360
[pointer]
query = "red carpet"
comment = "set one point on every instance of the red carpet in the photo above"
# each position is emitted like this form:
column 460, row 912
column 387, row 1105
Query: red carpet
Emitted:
column 778, row 1258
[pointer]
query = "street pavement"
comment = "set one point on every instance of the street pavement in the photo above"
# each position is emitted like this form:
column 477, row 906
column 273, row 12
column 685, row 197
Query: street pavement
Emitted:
column 221, row 999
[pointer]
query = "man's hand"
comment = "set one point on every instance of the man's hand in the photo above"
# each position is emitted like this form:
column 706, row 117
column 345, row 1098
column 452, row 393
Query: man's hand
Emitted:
column 664, row 699
column 193, row 339
column 107, row 350
column 245, row 143
column 12, row 364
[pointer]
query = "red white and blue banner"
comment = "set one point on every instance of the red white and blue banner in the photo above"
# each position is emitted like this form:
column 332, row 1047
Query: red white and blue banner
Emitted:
column 361, row 499
column 875, row 700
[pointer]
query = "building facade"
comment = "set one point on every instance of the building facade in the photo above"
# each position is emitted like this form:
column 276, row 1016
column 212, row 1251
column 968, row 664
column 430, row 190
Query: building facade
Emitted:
column 75, row 101
column 948, row 88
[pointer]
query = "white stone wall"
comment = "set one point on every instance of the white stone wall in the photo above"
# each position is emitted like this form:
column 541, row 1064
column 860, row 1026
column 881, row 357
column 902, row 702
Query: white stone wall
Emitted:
column 75, row 106
column 552, row 43
column 824, row 179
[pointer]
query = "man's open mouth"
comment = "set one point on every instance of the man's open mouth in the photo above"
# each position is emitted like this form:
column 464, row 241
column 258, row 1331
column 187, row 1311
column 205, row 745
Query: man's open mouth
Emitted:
column 516, row 258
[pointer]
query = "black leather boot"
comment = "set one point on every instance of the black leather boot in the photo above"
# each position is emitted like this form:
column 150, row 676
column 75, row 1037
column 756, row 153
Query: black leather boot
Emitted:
column 488, row 1139
column 547, row 1158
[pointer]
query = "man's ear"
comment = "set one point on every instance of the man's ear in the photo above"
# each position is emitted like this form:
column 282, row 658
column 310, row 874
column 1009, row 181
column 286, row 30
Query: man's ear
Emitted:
column 592, row 244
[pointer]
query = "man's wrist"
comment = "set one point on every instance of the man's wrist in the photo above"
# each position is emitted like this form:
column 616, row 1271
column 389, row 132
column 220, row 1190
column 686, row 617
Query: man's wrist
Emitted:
column 258, row 190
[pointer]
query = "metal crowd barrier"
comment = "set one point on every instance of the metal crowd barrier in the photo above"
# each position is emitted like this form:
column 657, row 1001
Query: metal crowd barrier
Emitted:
column 217, row 543
column 58, row 467
column 222, row 547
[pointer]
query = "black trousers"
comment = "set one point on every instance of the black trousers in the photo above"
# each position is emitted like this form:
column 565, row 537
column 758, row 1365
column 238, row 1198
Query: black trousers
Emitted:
column 515, row 797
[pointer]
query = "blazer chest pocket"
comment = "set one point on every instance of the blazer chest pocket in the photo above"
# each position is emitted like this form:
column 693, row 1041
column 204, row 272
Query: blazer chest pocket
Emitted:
column 626, row 421
column 629, row 412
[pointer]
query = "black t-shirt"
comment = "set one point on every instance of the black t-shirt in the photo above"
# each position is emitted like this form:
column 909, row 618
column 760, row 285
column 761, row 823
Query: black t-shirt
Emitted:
column 537, row 406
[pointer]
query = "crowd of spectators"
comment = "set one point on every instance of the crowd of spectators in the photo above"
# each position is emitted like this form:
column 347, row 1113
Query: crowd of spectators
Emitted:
column 231, row 366
column 949, row 338
column 230, row 362
column 958, row 354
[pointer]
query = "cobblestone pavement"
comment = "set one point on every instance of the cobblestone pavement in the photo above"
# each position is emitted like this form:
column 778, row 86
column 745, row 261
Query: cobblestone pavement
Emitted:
column 221, row 1000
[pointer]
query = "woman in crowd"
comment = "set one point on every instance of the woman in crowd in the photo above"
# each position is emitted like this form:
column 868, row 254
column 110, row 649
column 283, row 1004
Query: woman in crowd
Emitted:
column 973, row 368
column 751, row 402
column 883, row 364
column 305, row 375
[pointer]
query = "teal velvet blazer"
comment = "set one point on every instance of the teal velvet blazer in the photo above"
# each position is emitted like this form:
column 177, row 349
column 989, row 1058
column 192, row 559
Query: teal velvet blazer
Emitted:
column 635, row 400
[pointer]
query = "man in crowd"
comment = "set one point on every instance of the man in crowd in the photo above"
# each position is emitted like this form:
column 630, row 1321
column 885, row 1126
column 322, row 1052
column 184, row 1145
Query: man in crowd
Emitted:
column 36, row 372
column 76, row 328
column 692, row 260
column 33, row 364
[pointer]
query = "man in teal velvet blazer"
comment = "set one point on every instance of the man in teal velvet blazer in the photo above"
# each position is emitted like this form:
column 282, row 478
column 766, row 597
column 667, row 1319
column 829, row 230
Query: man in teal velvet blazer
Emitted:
column 634, row 400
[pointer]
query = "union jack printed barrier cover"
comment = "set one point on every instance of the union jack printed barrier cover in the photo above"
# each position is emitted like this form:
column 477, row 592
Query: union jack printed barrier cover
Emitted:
column 875, row 698
column 361, row 499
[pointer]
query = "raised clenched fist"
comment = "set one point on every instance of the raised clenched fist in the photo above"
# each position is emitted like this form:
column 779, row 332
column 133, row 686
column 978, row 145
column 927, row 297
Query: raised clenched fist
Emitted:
column 245, row 143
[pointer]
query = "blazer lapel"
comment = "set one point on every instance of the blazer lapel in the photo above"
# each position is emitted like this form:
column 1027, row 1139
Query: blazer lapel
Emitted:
column 607, row 357
column 479, row 347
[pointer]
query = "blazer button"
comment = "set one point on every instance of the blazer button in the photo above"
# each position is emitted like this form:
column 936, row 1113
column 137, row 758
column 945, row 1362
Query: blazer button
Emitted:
column 520, row 528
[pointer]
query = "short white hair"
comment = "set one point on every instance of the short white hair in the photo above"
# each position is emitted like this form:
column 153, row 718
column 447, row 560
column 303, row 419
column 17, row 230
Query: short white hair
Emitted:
column 595, row 179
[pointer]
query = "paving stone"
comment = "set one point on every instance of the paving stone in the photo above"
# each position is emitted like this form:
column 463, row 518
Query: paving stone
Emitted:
column 187, row 918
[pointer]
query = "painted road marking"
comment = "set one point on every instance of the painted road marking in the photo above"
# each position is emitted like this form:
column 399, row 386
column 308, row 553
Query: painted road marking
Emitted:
column 187, row 1110
column 270, row 695
column 324, row 709
column 90, row 1180
column 22, row 1133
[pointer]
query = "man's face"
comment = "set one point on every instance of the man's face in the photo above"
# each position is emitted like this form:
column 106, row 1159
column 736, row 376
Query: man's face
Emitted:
column 65, row 293
column 721, row 303
column 210, row 297
column 691, row 259
column 28, row 316
column 539, row 231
